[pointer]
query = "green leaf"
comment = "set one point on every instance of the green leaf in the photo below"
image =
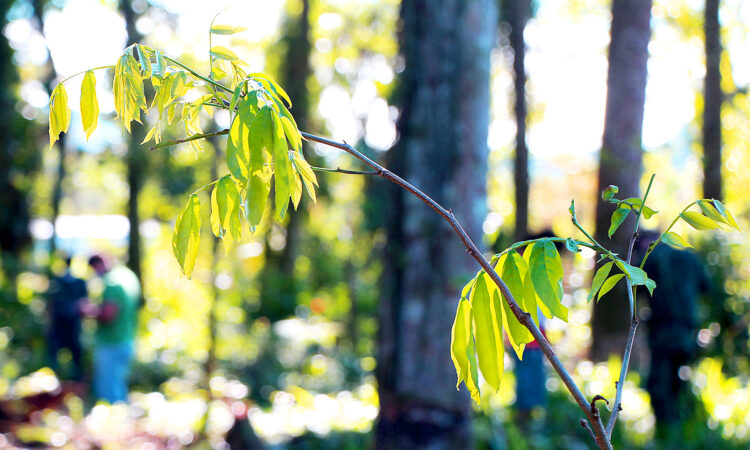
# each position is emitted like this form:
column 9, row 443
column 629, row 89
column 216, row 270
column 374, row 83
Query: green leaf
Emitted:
column 488, row 334
column 636, row 275
column 675, row 240
column 609, row 283
column 89, row 104
column 159, row 68
column 225, row 211
column 609, row 193
column 635, row 204
column 292, row 134
column 270, row 84
column 546, row 275
column 282, row 172
column 572, row 245
column 308, row 176
column 618, row 217
column 462, row 350
column 226, row 29
column 513, row 275
column 699, row 221
column 59, row 113
column 727, row 215
column 144, row 58
column 223, row 53
column 598, row 280
column 711, row 212
column 186, row 235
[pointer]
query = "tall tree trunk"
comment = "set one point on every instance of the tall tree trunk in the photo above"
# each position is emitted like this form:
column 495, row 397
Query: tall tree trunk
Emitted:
column 620, row 157
column 278, row 285
column 49, row 83
column 443, row 149
column 517, row 15
column 712, row 100
column 135, row 159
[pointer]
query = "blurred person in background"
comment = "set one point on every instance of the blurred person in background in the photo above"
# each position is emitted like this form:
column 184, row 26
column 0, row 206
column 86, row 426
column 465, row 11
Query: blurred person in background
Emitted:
column 672, row 326
column 64, row 295
column 116, row 318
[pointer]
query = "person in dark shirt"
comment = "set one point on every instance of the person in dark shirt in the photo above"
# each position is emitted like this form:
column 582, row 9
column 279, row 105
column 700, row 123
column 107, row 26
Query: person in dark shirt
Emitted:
column 680, row 278
column 65, row 293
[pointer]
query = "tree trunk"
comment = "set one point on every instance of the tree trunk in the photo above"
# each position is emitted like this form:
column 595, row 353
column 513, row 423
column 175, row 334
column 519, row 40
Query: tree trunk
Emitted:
column 443, row 149
column 620, row 157
column 517, row 12
column 135, row 159
column 712, row 100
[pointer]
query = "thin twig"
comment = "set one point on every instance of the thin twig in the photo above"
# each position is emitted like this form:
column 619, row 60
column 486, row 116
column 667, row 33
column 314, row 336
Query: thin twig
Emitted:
column 522, row 316
column 587, row 427
column 346, row 171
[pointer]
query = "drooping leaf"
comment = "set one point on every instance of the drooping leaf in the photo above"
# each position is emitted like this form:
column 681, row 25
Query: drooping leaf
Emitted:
column 159, row 68
column 608, row 284
column 699, row 221
column 225, row 211
column 144, row 59
column 223, row 53
column 675, row 240
column 307, row 174
column 226, row 29
column 518, row 335
column 488, row 334
column 609, row 193
column 462, row 349
column 598, row 280
column 618, row 217
column 186, row 235
column 282, row 172
column 727, row 215
column 59, row 114
column 546, row 275
column 89, row 104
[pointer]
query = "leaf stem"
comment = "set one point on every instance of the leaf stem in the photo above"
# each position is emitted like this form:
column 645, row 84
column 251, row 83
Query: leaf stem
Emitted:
column 197, row 75
column 204, row 187
column 84, row 71
column 656, row 242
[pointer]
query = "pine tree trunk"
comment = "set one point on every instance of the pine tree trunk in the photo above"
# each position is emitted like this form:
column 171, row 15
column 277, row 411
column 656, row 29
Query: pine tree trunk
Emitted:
column 713, row 99
column 517, row 16
column 620, row 157
column 442, row 149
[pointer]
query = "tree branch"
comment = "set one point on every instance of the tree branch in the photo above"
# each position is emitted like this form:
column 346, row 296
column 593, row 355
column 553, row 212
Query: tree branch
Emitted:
column 523, row 317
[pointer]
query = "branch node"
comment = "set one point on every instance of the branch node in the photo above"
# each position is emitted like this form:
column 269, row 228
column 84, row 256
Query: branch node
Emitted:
column 596, row 398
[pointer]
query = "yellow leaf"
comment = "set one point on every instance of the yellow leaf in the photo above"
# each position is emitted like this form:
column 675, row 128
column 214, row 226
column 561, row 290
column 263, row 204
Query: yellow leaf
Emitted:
column 226, row 29
column 89, row 104
column 59, row 113
column 186, row 235
column 223, row 53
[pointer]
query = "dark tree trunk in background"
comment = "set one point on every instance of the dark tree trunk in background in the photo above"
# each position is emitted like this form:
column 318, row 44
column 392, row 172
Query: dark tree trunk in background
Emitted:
column 135, row 159
column 278, row 285
column 712, row 100
column 442, row 148
column 49, row 83
column 620, row 157
column 517, row 13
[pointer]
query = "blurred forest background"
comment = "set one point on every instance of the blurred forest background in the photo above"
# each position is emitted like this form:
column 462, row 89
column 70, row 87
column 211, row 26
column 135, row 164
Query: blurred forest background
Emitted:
column 307, row 330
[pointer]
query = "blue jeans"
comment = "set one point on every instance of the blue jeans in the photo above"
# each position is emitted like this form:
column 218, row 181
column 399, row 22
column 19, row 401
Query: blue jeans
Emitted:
column 111, row 370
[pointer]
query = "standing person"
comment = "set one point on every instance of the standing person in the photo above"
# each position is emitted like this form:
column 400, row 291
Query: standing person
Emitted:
column 116, row 320
column 680, row 278
column 65, row 293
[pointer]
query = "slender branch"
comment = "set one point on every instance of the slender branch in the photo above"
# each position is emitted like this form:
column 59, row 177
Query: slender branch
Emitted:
column 620, row 386
column 173, row 142
column 587, row 427
column 656, row 242
column 346, row 171
column 522, row 316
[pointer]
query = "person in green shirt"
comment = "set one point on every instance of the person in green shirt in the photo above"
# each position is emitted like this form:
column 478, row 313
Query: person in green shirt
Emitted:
column 116, row 318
